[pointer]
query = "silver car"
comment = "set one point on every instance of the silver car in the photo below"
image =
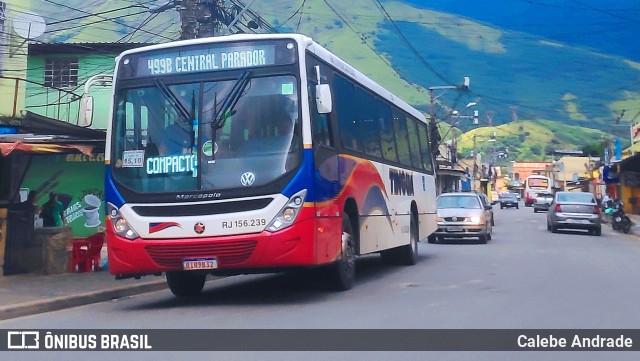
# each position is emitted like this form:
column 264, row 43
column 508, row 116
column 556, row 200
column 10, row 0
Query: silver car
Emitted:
column 462, row 215
column 542, row 202
column 574, row 210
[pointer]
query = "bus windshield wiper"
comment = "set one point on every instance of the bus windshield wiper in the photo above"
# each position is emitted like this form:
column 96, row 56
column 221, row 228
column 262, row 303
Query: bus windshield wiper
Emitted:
column 230, row 101
column 173, row 100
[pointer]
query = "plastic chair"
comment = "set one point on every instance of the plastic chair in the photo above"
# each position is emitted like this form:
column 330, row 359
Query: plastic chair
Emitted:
column 86, row 253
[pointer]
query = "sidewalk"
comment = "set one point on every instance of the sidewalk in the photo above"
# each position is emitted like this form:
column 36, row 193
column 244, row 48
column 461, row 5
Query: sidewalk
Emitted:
column 33, row 293
column 28, row 294
column 635, row 229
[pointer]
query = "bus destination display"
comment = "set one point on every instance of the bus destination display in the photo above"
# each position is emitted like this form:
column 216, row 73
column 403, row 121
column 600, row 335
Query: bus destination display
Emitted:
column 209, row 59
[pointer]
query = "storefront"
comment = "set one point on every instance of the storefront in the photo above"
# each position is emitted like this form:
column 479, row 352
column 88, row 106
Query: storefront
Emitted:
column 629, row 183
column 46, row 155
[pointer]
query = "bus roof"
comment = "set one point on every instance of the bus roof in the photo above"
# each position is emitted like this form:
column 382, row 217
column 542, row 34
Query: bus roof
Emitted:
column 304, row 41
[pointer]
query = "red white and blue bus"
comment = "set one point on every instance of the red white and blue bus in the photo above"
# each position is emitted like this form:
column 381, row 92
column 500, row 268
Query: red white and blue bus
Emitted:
column 533, row 185
column 259, row 153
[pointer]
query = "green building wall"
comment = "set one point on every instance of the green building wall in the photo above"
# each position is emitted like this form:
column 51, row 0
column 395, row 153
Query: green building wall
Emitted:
column 60, row 105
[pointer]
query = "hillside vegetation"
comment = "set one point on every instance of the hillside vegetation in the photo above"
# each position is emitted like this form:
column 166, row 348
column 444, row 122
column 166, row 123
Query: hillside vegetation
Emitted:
column 406, row 47
column 527, row 140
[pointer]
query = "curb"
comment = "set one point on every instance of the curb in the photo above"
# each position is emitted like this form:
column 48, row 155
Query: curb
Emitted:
column 79, row 299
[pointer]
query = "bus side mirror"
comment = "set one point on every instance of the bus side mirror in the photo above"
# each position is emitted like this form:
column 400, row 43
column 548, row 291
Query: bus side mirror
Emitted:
column 85, row 118
column 323, row 98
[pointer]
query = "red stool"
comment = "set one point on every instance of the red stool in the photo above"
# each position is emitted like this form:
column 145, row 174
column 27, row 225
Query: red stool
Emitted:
column 86, row 253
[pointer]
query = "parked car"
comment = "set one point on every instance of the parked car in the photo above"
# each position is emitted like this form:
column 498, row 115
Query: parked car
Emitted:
column 542, row 202
column 574, row 210
column 462, row 215
column 488, row 205
column 508, row 200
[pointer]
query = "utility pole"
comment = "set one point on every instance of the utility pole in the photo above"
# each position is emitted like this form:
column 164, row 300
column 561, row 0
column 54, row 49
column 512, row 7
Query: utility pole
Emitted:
column 475, row 163
column 205, row 18
column 434, row 135
column 201, row 18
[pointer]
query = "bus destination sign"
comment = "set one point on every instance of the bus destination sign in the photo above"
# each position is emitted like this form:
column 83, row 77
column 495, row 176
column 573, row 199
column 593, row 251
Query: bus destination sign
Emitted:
column 205, row 59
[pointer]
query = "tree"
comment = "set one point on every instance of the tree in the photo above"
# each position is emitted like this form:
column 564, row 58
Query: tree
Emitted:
column 593, row 149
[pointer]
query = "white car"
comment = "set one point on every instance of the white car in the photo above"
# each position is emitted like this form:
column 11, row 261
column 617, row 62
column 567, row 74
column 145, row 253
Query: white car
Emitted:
column 462, row 215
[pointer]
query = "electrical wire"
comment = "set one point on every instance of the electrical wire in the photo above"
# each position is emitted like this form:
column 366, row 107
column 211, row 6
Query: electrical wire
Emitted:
column 409, row 45
column 300, row 18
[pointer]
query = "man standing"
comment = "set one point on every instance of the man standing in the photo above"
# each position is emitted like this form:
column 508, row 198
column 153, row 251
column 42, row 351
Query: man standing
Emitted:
column 53, row 212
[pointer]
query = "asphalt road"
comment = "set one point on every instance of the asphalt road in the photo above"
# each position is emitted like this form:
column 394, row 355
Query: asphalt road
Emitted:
column 525, row 278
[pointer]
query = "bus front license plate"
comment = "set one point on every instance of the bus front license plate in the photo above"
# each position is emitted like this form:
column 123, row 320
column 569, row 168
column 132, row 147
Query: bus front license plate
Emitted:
column 189, row 264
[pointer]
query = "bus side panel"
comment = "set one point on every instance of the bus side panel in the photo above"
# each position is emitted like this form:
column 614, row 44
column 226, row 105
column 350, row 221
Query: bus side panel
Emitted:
column 425, row 186
column 326, row 188
column 361, row 181
column 378, row 214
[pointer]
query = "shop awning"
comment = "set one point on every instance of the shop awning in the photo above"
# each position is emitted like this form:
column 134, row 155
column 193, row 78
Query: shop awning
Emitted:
column 35, row 133
column 630, row 164
column 6, row 148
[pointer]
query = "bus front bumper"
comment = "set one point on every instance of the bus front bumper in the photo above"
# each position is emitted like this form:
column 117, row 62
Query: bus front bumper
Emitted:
column 294, row 246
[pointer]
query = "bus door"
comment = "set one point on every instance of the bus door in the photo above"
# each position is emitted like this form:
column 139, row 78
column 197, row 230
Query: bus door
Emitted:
column 326, row 181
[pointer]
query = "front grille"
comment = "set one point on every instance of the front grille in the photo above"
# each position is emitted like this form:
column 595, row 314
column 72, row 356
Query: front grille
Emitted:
column 457, row 219
column 202, row 209
column 227, row 253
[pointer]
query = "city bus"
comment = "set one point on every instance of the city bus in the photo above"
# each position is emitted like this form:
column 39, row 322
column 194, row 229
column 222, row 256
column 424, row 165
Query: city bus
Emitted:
column 255, row 154
column 533, row 185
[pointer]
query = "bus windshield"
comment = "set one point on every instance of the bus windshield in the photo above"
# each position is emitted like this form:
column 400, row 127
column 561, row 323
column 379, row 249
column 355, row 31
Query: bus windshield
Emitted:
column 206, row 135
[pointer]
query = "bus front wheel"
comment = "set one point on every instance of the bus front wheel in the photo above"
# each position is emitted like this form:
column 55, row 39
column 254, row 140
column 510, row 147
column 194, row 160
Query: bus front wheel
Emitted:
column 184, row 283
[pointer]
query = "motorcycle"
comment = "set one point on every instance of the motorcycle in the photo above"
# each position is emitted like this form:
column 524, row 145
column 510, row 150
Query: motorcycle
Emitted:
column 619, row 221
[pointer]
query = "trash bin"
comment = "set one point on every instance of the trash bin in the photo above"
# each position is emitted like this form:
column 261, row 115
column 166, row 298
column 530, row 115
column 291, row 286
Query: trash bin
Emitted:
column 18, row 239
column 54, row 242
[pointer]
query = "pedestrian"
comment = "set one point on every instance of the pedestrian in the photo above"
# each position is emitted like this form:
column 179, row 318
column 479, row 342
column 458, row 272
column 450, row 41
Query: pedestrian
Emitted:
column 30, row 209
column 53, row 212
column 30, row 202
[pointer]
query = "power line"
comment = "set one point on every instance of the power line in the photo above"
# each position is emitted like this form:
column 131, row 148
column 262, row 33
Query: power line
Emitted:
column 409, row 45
column 104, row 19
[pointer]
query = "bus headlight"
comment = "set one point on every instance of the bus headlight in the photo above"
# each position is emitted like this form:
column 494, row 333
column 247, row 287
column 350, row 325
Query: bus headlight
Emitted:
column 119, row 224
column 288, row 213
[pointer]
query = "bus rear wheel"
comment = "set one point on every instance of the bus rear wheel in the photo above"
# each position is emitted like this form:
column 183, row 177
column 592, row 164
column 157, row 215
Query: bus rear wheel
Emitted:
column 408, row 254
column 185, row 283
column 343, row 272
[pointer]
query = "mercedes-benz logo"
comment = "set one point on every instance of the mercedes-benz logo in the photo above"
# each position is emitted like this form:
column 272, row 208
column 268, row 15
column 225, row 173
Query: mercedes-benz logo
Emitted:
column 454, row 219
column 247, row 179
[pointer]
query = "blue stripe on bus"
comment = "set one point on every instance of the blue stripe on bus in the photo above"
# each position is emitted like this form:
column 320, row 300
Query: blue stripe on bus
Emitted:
column 303, row 179
column 111, row 193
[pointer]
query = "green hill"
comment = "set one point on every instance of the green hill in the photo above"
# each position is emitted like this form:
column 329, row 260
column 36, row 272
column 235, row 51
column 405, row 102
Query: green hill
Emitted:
column 408, row 49
column 527, row 140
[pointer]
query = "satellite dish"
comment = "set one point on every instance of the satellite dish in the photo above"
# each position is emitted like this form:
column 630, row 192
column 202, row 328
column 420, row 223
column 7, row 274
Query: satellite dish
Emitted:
column 29, row 25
